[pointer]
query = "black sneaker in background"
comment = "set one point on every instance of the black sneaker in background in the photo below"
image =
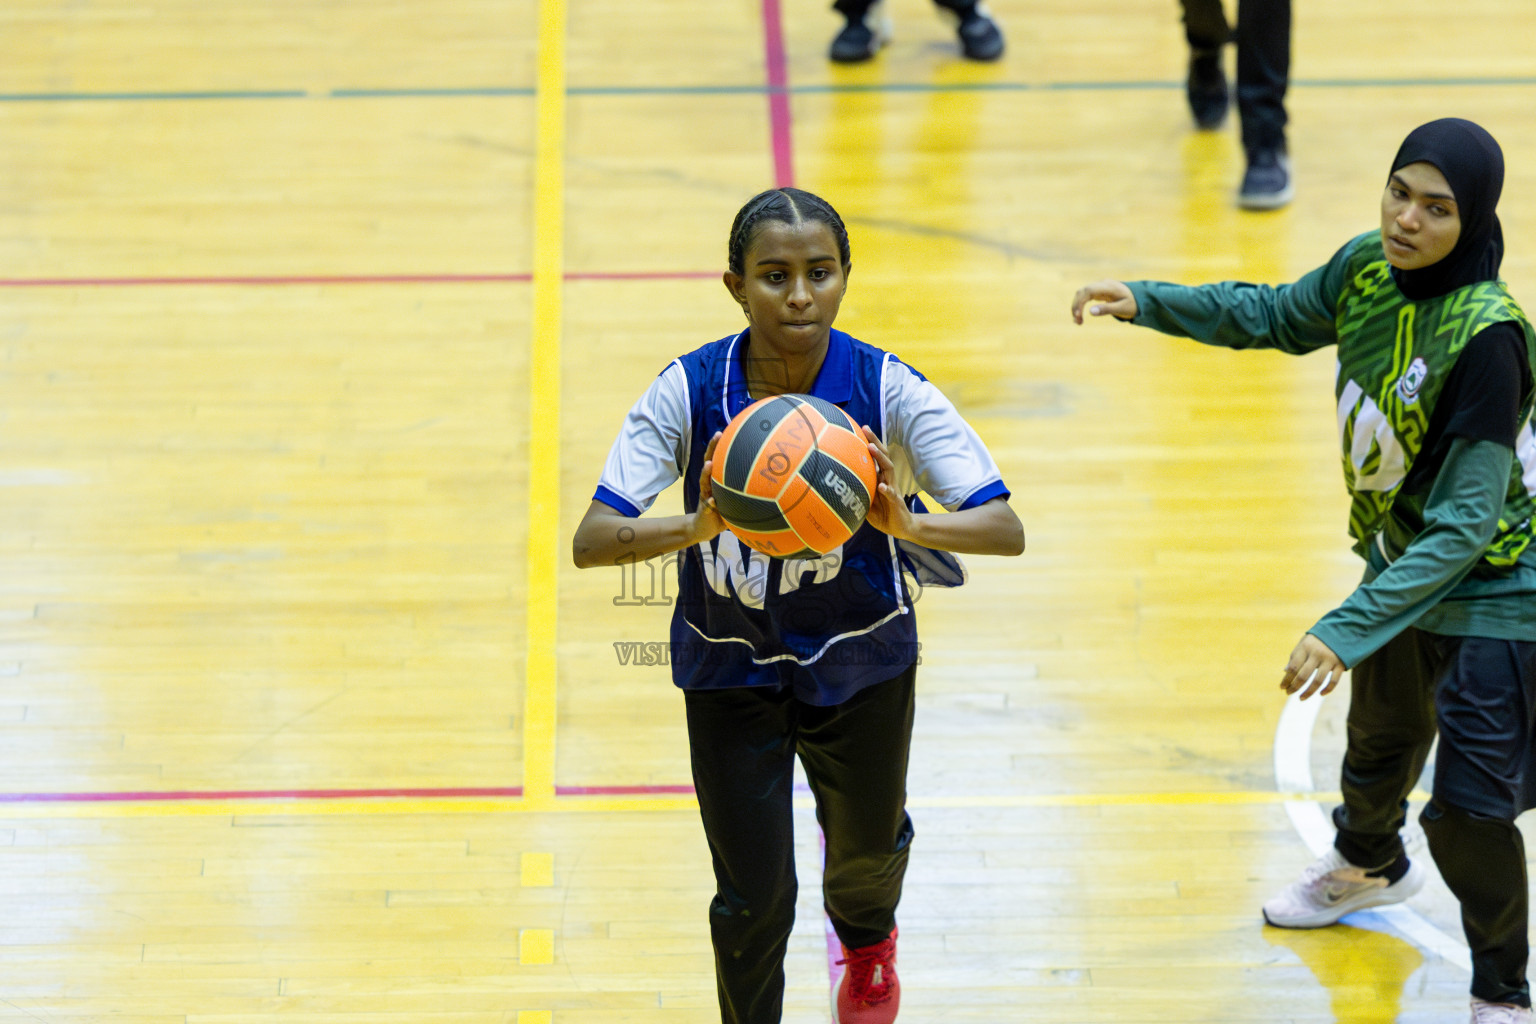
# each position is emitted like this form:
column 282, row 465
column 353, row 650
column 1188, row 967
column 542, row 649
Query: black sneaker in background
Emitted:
column 980, row 38
column 861, row 39
column 1206, row 88
column 1267, row 182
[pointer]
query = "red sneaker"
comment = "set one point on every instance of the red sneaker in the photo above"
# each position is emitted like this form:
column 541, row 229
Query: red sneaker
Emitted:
column 869, row 992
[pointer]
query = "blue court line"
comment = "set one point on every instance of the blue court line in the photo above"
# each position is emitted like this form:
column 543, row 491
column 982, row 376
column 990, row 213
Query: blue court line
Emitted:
column 734, row 90
column 222, row 94
column 938, row 87
column 487, row 90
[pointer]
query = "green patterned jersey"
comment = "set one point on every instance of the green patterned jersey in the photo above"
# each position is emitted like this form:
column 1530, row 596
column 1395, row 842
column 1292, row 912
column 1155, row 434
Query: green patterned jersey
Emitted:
column 1394, row 358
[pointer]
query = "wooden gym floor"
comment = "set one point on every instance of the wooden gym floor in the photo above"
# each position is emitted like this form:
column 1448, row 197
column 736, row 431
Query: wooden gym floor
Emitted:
column 316, row 322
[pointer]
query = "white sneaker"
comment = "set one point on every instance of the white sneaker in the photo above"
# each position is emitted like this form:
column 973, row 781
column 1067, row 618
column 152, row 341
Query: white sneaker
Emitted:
column 1498, row 1013
column 1331, row 887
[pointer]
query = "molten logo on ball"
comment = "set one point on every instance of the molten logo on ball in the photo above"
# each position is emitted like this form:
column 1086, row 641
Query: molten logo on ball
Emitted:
column 845, row 492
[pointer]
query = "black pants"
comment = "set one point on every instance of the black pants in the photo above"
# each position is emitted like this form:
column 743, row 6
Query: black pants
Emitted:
column 743, row 743
column 1481, row 696
column 856, row 9
column 1263, row 40
column 1389, row 731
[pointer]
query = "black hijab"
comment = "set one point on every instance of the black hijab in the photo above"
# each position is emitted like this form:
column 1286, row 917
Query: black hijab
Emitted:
column 1473, row 166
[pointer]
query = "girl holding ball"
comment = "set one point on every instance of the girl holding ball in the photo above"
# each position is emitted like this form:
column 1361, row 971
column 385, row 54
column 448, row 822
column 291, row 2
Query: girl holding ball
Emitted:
column 814, row 657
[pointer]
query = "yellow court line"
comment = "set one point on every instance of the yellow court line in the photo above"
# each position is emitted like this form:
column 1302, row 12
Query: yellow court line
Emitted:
column 536, row 946
column 544, row 413
column 536, row 870
column 614, row 805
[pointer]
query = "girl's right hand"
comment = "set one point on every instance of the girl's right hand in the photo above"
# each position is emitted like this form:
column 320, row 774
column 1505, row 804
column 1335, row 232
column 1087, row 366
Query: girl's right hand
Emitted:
column 1312, row 668
column 707, row 522
column 1109, row 298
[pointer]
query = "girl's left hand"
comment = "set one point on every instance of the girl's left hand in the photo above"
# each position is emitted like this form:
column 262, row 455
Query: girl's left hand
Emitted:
column 887, row 512
column 707, row 523
column 1313, row 668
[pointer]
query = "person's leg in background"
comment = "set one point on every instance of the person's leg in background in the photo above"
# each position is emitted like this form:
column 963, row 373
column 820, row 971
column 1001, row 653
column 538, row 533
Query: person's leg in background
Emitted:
column 1263, row 75
column 980, row 36
column 867, row 28
column 1206, row 29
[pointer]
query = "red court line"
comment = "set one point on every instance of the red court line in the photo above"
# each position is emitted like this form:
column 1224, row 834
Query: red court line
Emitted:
column 348, row 279
column 189, row 795
column 779, row 123
column 106, row 282
column 781, row 131
column 643, row 275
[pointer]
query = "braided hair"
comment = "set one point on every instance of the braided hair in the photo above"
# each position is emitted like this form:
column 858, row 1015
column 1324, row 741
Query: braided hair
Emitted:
column 788, row 206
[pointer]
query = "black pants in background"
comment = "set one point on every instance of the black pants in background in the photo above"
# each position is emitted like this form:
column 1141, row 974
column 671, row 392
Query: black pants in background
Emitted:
column 1480, row 694
column 1263, row 41
column 856, row 9
column 743, row 743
